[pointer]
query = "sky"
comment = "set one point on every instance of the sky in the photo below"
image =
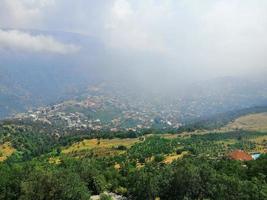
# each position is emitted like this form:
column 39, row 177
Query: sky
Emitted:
column 176, row 39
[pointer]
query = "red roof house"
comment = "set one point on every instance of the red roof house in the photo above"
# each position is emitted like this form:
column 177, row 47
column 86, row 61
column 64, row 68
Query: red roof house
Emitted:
column 240, row 155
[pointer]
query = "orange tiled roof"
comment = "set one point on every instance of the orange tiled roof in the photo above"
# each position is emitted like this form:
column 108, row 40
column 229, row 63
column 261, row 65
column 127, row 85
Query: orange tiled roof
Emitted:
column 240, row 155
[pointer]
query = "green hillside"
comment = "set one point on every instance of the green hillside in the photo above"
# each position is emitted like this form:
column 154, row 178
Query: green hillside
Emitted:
column 41, row 164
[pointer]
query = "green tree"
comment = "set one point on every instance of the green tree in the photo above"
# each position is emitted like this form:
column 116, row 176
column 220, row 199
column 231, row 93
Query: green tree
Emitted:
column 46, row 185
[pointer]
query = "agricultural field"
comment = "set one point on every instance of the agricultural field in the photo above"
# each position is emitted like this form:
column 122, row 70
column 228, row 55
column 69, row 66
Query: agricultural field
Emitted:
column 154, row 146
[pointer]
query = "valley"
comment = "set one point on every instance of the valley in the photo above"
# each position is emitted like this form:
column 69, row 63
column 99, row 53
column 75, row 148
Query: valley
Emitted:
column 104, row 108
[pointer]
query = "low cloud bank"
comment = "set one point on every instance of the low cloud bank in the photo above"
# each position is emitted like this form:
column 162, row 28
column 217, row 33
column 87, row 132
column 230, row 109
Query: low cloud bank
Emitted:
column 23, row 41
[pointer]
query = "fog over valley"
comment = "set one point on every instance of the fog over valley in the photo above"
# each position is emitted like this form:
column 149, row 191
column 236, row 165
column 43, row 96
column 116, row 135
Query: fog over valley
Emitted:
column 185, row 51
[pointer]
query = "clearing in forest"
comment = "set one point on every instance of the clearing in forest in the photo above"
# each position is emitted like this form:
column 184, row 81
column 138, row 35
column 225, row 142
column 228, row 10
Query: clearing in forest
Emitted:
column 101, row 147
column 6, row 150
column 172, row 157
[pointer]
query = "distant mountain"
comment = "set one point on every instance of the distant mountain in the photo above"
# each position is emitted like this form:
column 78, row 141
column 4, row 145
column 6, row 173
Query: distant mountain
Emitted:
column 208, row 104
column 33, row 79
column 222, row 95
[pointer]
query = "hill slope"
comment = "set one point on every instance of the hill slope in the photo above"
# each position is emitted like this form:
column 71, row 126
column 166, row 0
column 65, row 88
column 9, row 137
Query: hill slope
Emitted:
column 253, row 122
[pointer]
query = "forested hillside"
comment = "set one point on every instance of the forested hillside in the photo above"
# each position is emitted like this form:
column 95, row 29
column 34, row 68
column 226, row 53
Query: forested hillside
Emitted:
column 45, row 165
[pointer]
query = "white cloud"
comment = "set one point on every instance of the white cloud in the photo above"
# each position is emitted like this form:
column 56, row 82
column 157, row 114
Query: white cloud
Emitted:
column 39, row 3
column 122, row 9
column 132, row 25
column 19, row 40
column 14, row 13
column 23, row 13
column 211, row 36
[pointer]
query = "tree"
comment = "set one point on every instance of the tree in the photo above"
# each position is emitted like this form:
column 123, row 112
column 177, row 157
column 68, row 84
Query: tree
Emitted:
column 105, row 196
column 46, row 185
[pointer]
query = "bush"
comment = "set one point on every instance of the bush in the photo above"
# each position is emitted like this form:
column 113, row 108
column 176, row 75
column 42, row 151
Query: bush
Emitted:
column 122, row 147
column 159, row 158
column 105, row 196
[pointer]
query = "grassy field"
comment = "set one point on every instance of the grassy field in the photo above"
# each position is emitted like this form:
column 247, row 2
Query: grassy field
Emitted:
column 172, row 157
column 6, row 150
column 102, row 147
column 252, row 122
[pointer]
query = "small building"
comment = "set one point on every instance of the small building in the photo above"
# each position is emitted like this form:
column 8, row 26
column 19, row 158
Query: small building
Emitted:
column 255, row 156
column 240, row 155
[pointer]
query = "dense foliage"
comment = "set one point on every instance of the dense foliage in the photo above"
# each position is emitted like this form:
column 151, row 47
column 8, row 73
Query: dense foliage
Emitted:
column 189, row 178
column 40, row 171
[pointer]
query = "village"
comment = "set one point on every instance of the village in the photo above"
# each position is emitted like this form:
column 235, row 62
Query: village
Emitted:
column 104, row 113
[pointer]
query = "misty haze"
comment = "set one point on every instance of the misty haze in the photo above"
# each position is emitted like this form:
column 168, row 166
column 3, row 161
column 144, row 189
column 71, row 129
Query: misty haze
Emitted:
column 133, row 99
